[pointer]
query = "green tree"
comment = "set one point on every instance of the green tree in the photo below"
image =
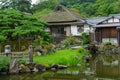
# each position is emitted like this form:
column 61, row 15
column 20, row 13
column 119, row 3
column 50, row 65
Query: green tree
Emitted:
column 86, row 8
column 21, row 5
column 70, row 3
column 116, row 6
column 46, row 4
column 14, row 24
column 104, row 7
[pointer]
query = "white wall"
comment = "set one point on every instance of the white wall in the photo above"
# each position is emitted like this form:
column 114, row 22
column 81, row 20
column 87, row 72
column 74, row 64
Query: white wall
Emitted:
column 74, row 30
column 116, row 20
column 113, row 40
column 86, row 28
column 113, row 20
column 110, row 20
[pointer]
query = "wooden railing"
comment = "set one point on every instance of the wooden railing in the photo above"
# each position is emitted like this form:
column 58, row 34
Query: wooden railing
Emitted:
column 15, row 55
column 28, row 56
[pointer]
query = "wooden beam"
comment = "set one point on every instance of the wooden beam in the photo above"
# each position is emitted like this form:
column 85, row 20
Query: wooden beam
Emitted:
column 118, row 28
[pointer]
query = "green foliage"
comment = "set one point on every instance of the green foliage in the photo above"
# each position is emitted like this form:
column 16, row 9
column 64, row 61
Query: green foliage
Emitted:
column 14, row 24
column 69, row 41
column 97, row 7
column 22, row 60
column 2, row 38
column 87, row 8
column 42, row 13
column 104, row 7
column 107, row 43
column 66, row 57
column 85, row 38
column 46, row 4
column 73, row 2
column 81, row 49
column 4, row 62
column 21, row 5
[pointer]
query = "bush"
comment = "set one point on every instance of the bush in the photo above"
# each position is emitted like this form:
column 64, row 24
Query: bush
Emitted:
column 4, row 62
column 69, row 41
column 107, row 43
column 85, row 38
column 81, row 49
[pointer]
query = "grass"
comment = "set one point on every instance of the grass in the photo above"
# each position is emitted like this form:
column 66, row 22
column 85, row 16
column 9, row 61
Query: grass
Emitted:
column 64, row 57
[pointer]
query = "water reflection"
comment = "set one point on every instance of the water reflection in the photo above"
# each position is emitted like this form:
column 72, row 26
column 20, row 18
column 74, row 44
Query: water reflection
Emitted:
column 67, row 74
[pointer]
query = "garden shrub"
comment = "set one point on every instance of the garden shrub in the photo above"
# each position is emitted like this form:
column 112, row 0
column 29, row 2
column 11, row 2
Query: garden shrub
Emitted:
column 45, row 48
column 81, row 49
column 85, row 38
column 22, row 60
column 4, row 62
column 107, row 43
column 69, row 41
column 66, row 43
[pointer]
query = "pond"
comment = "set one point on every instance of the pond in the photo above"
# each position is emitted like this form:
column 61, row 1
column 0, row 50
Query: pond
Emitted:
column 66, row 74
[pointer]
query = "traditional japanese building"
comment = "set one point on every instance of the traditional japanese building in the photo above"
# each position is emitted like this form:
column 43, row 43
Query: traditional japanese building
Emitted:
column 105, row 28
column 63, row 22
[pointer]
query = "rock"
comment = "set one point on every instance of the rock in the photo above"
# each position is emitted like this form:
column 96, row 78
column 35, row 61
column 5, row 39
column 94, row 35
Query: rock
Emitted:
column 14, row 66
column 23, row 68
column 40, row 67
column 79, row 65
column 31, row 66
column 48, row 68
column 38, row 53
column 62, row 66
column 35, row 69
column 53, row 69
column 56, row 67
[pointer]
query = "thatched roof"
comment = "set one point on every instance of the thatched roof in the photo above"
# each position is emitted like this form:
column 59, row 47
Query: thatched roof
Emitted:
column 62, row 14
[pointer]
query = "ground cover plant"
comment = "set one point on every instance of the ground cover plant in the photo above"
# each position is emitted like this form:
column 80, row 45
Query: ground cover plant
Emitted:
column 63, row 57
column 4, row 62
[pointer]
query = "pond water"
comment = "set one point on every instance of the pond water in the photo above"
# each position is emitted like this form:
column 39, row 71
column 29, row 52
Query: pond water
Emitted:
column 66, row 74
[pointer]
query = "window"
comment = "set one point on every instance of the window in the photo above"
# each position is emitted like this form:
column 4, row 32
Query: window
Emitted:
column 80, row 29
column 61, row 30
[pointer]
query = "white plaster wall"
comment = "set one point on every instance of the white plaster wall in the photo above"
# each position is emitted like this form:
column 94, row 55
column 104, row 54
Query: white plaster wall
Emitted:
column 86, row 28
column 113, row 40
column 74, row 31
column 104, row 22
column 116, row 20
column 110, row 20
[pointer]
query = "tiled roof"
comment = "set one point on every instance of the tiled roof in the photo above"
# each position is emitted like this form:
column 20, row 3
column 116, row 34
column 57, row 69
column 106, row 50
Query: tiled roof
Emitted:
column 95, row 21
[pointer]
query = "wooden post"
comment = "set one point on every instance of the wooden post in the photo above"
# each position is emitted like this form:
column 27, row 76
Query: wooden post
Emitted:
column 118, row 28
column 119, row 37
column 30, row 54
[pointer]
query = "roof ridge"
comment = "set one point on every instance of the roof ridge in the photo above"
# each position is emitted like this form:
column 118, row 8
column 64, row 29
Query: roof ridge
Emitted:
column 62, row 13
